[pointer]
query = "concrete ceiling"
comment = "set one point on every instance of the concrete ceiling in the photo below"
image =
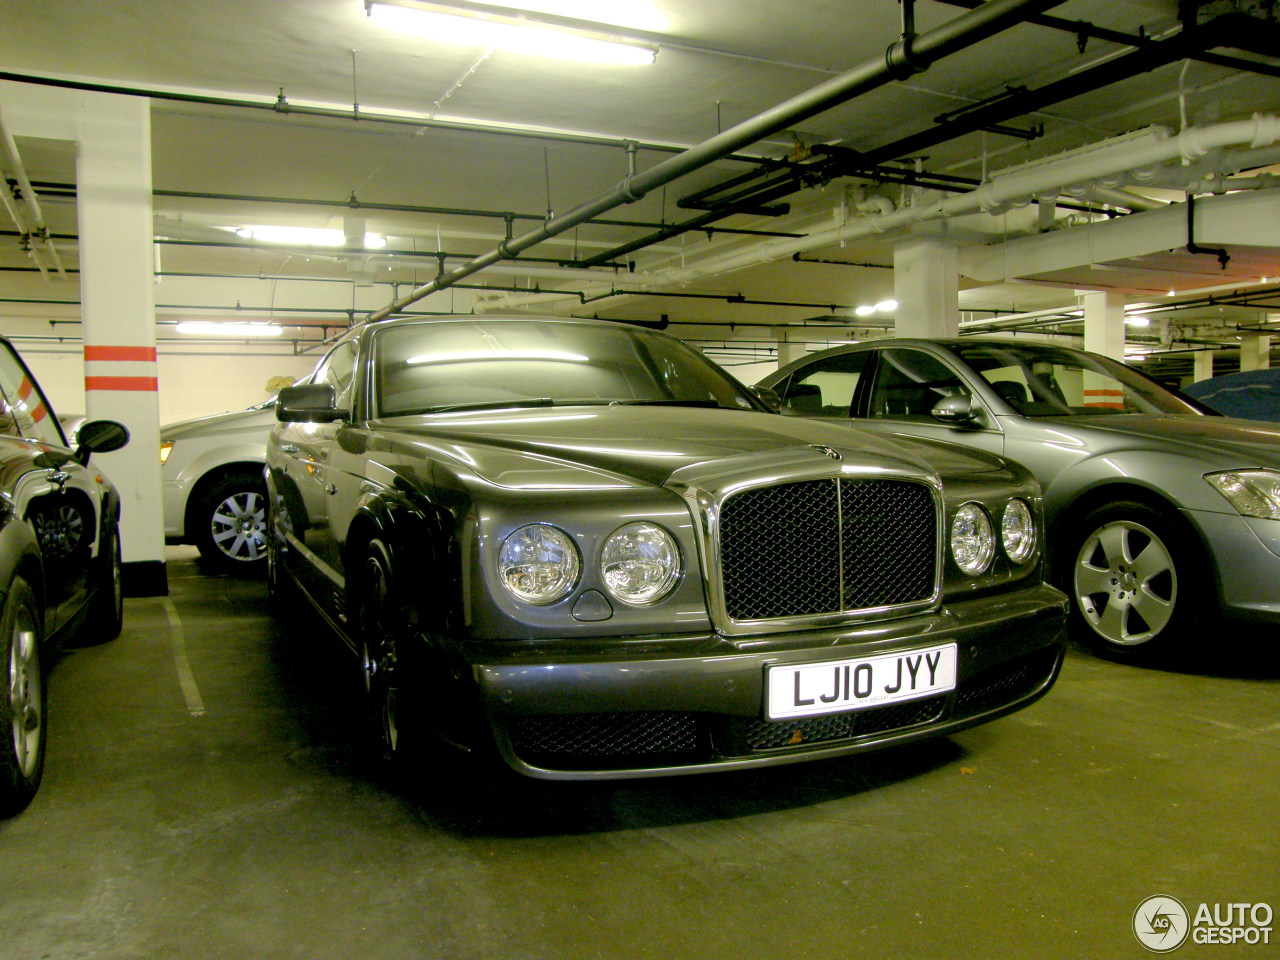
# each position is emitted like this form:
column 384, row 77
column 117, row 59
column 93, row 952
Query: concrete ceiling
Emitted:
column 455, row 137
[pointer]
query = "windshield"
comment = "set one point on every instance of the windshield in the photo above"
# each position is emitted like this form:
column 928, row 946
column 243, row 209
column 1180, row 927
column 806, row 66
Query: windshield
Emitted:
column 436, row 367
column 1047, row 381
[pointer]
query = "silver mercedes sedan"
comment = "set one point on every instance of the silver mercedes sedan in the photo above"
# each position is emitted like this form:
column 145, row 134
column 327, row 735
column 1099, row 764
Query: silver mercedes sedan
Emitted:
column 1162, row 515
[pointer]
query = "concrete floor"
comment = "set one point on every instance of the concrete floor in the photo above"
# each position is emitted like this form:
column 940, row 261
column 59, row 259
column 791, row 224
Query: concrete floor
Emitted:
column 205, row 798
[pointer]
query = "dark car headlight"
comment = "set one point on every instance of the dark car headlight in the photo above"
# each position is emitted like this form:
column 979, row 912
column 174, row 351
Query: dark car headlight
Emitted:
column 640, row 563
column 973, row 542
column 1018, row 532
column 539, row 564
column 1254, row 493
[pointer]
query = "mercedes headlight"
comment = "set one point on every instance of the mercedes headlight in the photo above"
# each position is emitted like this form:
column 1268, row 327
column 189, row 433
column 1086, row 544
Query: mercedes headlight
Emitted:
column 539, row 564
column 973, row 543
column 1018, row 532
column 640, row 563
column 1254, row 493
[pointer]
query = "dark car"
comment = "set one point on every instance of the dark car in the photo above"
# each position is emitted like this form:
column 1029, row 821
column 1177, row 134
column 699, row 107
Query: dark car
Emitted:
column 59, row 562
column 1249, row 394
column 585, row 545
column 1161, row 514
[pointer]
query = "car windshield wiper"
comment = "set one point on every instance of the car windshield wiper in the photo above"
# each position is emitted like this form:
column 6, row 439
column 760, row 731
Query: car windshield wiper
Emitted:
column 491, row 405
column 664, row 403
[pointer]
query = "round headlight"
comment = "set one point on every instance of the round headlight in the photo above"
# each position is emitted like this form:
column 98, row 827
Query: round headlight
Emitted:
column 640, row 563
column 1018, row 532
column 539, row 564
column 973, row 543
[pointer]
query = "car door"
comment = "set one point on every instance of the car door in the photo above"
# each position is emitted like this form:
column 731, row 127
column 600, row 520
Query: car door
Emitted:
column 51, row 490
column 898, row 396
column 308, row 449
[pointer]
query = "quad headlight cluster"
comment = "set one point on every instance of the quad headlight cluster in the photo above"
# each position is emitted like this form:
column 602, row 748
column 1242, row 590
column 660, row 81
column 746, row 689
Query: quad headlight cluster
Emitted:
column 540, row 564
column 973, row 536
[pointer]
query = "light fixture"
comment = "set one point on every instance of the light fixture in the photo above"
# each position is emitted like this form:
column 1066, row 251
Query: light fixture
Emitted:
column 887, row 306
column 214, row 328
column 1137, row 321
column 507, row 29
column 865, row 310
column 306, row 236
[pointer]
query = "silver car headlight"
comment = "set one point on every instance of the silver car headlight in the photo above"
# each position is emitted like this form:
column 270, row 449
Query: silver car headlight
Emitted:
column 640, row 563
column 1018, row 532
column 539, row 564
column 1254, row 493
column 973, row 543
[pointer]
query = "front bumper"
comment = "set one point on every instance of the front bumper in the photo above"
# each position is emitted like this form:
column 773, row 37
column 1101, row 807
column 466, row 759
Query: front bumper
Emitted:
column 571, row 710
column 1246, row 555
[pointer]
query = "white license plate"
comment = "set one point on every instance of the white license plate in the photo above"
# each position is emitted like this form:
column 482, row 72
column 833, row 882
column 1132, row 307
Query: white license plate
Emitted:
column 815, row 688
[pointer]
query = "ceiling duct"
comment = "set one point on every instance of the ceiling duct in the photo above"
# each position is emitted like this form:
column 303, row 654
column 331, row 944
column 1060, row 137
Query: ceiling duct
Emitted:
column 907, row 56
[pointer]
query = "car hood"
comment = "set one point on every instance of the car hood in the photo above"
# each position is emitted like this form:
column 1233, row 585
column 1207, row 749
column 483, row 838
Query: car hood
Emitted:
column 1246, row 441
column 221, row 423
column 646, row 444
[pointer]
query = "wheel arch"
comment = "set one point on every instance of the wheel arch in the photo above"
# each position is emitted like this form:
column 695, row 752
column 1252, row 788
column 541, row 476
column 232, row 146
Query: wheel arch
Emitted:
column 209, row 480
column 421, row 548
column 1072, row 514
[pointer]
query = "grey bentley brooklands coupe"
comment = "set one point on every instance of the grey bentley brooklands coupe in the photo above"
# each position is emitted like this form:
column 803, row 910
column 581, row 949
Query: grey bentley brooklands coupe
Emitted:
column 585, row 546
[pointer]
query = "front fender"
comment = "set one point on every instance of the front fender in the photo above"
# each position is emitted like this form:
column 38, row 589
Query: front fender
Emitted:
column 1172, row 477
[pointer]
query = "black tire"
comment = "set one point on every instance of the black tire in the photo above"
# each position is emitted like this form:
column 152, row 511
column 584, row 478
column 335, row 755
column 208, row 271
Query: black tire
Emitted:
column 106, row 608
column 22, row 699
column 281, row 593
column 380, row 625
column 1128, row 573
column 228, row 524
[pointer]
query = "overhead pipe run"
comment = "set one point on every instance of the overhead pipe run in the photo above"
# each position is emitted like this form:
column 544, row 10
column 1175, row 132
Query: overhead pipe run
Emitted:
column 903, row 58
column 1042, row 177
column 23, row 207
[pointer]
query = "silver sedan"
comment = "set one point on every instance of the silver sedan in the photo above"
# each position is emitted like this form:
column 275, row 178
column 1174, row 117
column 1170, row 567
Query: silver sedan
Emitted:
column 1161, row 514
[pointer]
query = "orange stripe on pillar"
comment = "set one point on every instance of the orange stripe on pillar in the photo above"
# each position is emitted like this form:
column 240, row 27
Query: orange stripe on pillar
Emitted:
column 95, row 352
column 121, row 383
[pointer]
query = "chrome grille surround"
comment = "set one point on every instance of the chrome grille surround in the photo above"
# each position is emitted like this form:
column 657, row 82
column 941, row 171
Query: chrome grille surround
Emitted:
column 804, row 483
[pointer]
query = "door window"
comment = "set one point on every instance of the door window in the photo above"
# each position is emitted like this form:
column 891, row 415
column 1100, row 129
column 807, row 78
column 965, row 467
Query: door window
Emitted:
column 909, row 383
column 826, row 387
column 23, row 408
column 338, row 370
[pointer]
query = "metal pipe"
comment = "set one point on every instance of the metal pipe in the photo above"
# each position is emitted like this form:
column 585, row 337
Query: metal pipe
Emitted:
column 963, row 31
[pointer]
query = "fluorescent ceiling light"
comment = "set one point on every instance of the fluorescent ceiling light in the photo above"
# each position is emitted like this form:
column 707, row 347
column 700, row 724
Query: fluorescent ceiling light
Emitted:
column 887, row 306
column 307, row 236
column 212, row 328
column 515, row 31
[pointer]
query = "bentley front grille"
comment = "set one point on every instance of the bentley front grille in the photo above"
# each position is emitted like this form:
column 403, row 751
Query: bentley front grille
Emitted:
column 815, row 547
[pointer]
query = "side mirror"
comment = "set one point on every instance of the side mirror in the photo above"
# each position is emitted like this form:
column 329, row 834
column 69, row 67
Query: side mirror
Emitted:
column 99, row 436
column 768, row 396
column 958, row 411
column 308, row 403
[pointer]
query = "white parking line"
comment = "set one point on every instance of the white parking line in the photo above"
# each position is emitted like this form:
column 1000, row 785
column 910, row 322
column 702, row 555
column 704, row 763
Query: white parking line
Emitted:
column 186, row 679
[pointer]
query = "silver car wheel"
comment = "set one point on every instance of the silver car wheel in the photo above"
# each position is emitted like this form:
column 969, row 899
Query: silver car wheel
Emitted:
column 25, row 700
column 1125, row 583
column 239, row 526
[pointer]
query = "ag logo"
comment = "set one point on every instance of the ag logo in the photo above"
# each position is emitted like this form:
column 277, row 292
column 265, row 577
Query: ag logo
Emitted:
column 1161, row 924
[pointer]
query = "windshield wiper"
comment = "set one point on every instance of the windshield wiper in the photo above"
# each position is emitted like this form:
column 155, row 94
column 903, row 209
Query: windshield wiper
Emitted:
column 491, row 405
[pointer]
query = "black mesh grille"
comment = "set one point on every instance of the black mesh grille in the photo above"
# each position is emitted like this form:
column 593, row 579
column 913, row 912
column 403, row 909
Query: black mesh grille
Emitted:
column 587, row 740
column 771, row 734
column 824, row 546
column 1004, row 684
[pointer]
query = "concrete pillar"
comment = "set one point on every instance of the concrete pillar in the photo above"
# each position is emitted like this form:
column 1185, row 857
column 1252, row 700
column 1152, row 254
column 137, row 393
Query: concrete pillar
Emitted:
column 1104, row 322
column 787, row 351
column 1255, row 351
column 926, row 284
column 112, row 135
column 1204, row 365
